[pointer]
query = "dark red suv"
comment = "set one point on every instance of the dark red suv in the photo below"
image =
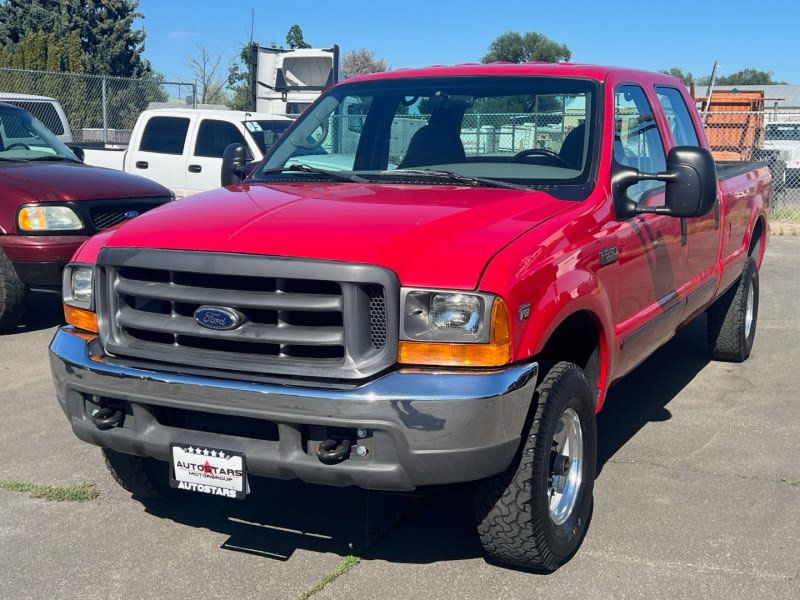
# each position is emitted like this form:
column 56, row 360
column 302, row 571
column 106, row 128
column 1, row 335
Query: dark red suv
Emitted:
column 50, row 202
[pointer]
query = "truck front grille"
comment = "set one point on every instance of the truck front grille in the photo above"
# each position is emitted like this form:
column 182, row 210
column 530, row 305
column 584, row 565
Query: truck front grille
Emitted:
column 295, row 317
column 98, row 215
column 103, row 217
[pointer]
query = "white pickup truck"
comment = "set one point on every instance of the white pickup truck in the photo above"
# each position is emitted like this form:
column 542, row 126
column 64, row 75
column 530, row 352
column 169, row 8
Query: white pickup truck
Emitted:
column 784, row 136
column 181, row 148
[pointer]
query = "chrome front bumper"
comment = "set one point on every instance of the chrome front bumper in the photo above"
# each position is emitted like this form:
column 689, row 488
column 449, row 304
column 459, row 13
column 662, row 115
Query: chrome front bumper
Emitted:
column 423, row 427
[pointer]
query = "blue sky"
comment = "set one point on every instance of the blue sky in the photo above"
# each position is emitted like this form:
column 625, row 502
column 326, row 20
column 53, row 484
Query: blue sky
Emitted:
column 647, row 35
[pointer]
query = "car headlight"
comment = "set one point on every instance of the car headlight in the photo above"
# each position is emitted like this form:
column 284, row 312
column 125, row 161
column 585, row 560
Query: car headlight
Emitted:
column 78, row 295
column 454, row 328
column 48, row 218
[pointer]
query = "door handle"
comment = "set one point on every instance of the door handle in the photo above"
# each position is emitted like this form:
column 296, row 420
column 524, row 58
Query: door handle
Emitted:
column 195, row 168
column 142, row 164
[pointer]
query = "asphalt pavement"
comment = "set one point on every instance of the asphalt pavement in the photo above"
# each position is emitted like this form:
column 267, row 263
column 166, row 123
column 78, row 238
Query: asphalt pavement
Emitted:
column 697, row 496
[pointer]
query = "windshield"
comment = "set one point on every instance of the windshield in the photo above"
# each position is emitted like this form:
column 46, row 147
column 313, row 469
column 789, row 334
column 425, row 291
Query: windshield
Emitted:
column 23, row 137
column 265, row 133
column 518, row 130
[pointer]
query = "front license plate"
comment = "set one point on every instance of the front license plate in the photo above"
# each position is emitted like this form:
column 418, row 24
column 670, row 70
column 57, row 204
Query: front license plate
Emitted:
column 208, row 471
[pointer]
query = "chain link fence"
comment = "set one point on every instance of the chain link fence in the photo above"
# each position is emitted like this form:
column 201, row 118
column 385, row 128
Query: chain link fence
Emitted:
column 770, row 136
column 100, row 109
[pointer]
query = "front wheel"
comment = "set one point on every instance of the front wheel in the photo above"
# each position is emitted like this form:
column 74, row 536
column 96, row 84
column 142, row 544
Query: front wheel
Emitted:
column 145, row 478
column 12, row 294
column 536, row 514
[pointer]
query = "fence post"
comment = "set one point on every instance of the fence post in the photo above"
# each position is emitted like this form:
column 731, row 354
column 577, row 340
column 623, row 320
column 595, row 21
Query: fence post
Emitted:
column 105, row 111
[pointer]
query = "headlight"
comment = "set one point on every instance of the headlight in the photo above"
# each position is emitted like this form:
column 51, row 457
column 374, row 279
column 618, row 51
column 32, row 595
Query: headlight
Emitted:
column 78, row 294
column 445, row 316
column 78, row 284
column 48, row 218
column 454, row 328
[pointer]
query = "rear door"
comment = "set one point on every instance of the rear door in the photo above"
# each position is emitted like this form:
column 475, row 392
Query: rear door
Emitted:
column 700, row 236
column 161, row 152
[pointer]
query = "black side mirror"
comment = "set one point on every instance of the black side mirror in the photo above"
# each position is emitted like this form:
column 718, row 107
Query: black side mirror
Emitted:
column 691, row 189
column 234, row 164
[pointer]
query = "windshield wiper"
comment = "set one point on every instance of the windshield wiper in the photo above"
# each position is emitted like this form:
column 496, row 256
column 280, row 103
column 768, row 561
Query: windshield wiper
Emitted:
column 303, row 168
column 52, row 157
column 458, row 178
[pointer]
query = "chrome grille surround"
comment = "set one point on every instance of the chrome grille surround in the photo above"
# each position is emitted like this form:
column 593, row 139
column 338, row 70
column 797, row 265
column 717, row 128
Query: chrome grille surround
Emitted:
column 302, row 318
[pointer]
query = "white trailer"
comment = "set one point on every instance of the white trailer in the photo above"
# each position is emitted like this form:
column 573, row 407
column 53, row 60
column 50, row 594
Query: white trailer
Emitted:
column 287, row 81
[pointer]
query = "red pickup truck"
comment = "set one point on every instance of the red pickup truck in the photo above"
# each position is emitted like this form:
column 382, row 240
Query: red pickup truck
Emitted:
column 434, row 277
column 49, row 204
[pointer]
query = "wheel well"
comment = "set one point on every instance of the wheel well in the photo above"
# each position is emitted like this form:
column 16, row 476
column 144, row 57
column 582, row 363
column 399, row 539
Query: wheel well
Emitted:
column 755, row 240
column 576, row 340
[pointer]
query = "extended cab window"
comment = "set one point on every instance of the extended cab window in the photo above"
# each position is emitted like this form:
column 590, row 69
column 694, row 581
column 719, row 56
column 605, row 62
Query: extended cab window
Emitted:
column 637, row 142
column 680, row 121
column 166, row 135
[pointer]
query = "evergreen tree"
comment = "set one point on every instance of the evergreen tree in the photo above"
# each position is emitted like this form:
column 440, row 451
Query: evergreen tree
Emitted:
column 109, row 44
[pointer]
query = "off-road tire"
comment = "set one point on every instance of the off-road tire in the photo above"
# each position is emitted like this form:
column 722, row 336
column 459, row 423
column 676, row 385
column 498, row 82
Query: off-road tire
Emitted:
column 732, row 318
column 12, row 294
column 145, row 478
column 516, row 525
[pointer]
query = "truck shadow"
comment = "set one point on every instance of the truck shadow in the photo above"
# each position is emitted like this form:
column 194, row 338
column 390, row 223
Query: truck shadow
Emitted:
column 642, row 397
column 280, row 517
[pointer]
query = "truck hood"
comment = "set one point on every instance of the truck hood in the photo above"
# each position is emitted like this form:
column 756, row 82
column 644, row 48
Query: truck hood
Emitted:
column 428, row 235
column 67, row 181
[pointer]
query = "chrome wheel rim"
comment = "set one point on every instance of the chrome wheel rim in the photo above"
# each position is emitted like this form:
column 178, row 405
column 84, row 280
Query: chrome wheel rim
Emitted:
column 566, row 467
column 749, row 312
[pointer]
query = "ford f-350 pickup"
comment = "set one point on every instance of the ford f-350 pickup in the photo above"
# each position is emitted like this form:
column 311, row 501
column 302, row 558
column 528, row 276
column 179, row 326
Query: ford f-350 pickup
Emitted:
column 433, row 278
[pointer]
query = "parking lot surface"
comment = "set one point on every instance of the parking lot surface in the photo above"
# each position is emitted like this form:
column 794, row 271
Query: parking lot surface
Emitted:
column 697, row 496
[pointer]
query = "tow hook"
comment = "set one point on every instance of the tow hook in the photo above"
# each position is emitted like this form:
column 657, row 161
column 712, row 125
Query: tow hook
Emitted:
column 331, row 451
column 106, row 417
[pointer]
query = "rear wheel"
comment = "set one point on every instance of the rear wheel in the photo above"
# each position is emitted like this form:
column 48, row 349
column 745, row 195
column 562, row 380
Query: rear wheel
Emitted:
column 536, row 514
column 12, row 294
column 732, row 318
column 145, row 478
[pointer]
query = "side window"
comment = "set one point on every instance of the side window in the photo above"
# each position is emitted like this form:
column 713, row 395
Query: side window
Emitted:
column 166, row 135
column 680, row 121
column 637, row 142
column 214, row 136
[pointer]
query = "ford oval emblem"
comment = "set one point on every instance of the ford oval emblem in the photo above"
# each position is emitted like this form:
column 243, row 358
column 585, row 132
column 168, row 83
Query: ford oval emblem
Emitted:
column 218, row 317
column 131, row 214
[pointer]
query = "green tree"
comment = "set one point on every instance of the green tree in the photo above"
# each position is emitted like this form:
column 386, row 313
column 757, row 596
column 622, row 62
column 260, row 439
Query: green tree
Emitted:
column 514, row 47
column 109, row 44
column 240, row 79
column 748, row 76
column 687, row 77
column 294, row 38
